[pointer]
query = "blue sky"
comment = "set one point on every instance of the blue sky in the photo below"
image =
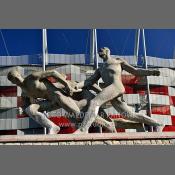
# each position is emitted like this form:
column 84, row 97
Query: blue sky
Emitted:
column 160, row 42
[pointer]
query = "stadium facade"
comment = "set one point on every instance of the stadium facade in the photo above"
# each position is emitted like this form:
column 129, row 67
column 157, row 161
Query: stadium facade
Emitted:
column 70, row 52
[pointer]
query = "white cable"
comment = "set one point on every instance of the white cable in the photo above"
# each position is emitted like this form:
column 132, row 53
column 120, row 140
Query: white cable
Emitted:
column 5, row 45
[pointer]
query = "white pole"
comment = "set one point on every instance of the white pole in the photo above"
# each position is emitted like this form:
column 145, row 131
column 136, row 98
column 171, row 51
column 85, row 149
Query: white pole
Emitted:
column 146, row 67
column 92, row 47
column 144, row 48
column 96, row 48
column 45, row 56
column 45, row 50
column 137, row 43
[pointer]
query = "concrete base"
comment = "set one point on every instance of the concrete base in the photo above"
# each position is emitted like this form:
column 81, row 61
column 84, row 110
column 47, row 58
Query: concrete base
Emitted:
column 151, row 138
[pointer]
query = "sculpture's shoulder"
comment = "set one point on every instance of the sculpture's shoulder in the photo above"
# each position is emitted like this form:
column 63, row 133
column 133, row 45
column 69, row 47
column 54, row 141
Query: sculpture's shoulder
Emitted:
column 117, row 60
column 29, row 80
column 121, row 60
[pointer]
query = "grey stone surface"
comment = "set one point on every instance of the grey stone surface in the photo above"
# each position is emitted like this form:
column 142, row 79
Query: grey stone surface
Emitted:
column 145, row 142
column 166, row 142
column 97, row 143
column 108, row 142
column 158, row 142
column 26, row 143
column 153, row 142
column 137, row 142
column 105, row 142
column 123, row 142
column 130, row 142
column 37, row 143
column 54, row 143
column 116, row 142
column 12, row 144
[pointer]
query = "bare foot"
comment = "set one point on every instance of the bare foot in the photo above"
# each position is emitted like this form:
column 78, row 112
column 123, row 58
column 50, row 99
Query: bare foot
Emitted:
column 79, row 131
column 54, row 130
column 112, row 127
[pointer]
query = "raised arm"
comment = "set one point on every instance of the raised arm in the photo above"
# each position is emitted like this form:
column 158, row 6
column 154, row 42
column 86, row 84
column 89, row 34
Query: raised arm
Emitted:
column 138, row 72
column 95, row 88
column 90, row 81
column 51, row 73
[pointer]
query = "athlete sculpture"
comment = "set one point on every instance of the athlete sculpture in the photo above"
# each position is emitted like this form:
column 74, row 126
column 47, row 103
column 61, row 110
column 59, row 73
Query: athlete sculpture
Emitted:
column 110, row 72
column 36, row 85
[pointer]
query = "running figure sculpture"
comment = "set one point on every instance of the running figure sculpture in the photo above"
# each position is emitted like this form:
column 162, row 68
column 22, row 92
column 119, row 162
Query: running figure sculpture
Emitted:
column 36, row 85
column 110, row 72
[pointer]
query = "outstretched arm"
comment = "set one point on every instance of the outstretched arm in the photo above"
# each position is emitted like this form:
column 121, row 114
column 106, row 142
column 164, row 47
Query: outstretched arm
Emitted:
column 90, row 81
column 52, row 73
column 139, row 72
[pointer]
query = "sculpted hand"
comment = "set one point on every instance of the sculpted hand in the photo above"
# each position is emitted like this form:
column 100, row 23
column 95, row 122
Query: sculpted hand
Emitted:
column 71, row 90
column 76, row 87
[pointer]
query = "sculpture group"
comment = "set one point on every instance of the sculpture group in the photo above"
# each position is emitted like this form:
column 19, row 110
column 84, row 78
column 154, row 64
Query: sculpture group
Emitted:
column 77, row 98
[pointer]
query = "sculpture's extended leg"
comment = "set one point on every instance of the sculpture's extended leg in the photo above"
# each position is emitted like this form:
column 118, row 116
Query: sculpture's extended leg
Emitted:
column 66, row 103
column 124, row 110
column 41, row 118
column 101, row 120
column 106, row 122
column 106, row 95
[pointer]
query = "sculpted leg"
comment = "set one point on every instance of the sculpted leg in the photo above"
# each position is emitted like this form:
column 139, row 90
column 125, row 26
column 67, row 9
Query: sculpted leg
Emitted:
column 124, row 110
column 106, row 122
column 41, row 118
column 66, row 103
column 102, row 118
column 106, row 95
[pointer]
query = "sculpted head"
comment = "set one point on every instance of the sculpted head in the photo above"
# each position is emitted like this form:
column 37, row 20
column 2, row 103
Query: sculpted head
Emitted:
column 104, row 53
column 15, row 77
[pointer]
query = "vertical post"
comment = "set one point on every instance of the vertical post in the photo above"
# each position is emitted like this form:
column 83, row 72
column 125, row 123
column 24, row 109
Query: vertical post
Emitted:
column 96, row 48
column 45, row 56
column 96, row 61
column 136, row 53
column 45, row 51
column 92, row 46
column 147, row 80
column 137, row 43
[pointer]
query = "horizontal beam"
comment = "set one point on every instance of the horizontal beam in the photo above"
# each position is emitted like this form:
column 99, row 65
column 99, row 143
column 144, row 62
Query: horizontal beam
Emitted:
column 87, row 137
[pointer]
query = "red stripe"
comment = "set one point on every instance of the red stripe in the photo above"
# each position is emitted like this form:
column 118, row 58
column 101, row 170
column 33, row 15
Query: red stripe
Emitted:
column 120, row 130
column 130, row 79
column 8, row 132
column 161, row 90
column 64, row 123
column 173, row 120
column 115, row 116
column 169, row 128
column 8, row 91
column 22, row 116
column 163, row 110
column 172, row 100
column 129, row 90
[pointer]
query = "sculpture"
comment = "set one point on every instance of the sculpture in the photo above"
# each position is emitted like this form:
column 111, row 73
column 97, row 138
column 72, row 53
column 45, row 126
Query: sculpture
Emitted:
column 110, row 72
column 36, row 85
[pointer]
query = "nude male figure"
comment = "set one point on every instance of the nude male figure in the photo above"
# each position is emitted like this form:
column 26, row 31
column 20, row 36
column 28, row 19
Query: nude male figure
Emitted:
column 110, row 72
column 36, row 85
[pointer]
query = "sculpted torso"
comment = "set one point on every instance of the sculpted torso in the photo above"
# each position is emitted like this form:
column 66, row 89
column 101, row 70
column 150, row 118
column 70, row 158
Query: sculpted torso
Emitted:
column 111, row 73
column 36, row 88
